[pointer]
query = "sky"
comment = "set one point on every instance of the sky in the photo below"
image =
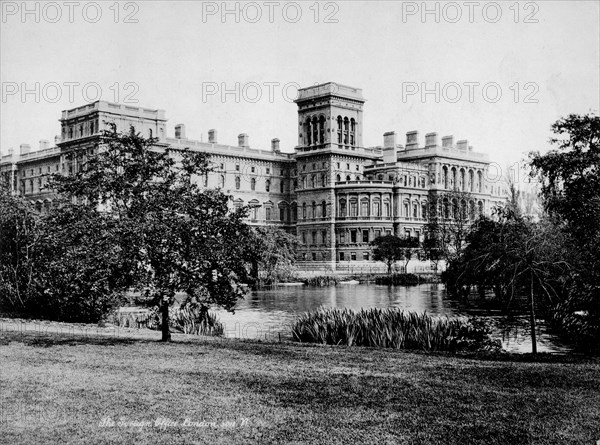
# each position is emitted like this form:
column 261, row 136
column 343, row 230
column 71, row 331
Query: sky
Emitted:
column 495, row 73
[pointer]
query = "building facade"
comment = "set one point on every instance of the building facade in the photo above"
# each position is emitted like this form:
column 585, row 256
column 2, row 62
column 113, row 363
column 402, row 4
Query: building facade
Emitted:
column 334, row 193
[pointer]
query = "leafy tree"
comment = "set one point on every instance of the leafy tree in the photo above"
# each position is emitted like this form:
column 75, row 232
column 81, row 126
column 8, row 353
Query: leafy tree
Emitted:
column 388, row 249
column 272, row 254
column 448, row 222
column 514, row 256
column 570, row 185
column 169, row 234
column 20, row 248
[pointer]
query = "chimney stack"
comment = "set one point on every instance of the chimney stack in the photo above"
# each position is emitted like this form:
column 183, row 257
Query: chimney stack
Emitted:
column 180, row 131
column 11, row 152
column 243, row 139
column 44, row 144
column 275, row 145
column 447, row 141
column 56, row 140
column 24, row 149
column 431, row 140
column 462, row 145
column 412, row 140
column 212, row 136
column 390, row 153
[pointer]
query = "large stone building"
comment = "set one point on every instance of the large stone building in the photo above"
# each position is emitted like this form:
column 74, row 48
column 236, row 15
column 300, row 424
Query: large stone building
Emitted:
column 333, row 192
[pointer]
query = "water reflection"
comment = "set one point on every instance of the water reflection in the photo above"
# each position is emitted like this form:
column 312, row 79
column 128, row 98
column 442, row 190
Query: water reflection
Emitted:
column 267, row 314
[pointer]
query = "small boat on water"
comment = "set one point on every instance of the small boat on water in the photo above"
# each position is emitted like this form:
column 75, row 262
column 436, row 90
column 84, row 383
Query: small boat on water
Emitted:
column 349, row 282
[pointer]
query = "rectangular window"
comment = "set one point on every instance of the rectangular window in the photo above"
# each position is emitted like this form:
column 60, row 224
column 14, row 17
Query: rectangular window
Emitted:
column 252, row 169
column 365, row 236
column 353, row 256
column 377, row 233
column 314, row 237
column 338, row 165
column 303, row 237
column 388, row 232
column 342, row 237
column 268, row 171
column 314, row 256
column 237, row 167
column 341, row 256
column 357, row 167
column 281, row 214
column 365, row 256
column 268, row 214
column 324, row 236
column 347, row 166
column 353, row 236
column 222, row 166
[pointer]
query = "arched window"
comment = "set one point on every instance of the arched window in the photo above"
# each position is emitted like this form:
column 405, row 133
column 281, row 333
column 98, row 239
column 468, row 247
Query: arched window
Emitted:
column 364, row 207
column 268, row 185
column 471, row 210
column 313, row 181
column 480, row 208
column 149, row 130
column 446, row 208
column 445, row 176
column 324, row 209
column 304, row 211
column 424, row 210
column 308, row 128
column 322, row 129
column 342, row 213
column 314, row 210
column 386, row 208
column 348, row 178
column 340, row 129
column 354, row 207
column 346, row 130
column 453, row 178
column 479, row 181
column 376, row 208
column 471, row 186
column 294, row 211
column 322, row 179
column 253, row 184
column 222, row 181
column 282, row 186
column 462, row 184
column 315, row 128
column 338, row 178
column 352, row 132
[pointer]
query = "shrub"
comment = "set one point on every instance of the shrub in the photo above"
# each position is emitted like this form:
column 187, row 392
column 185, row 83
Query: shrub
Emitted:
column 322, row 281
column 404, row 279
column 392, row 328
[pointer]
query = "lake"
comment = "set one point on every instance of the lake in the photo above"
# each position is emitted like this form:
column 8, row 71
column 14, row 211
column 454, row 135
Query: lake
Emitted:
column 267, row 314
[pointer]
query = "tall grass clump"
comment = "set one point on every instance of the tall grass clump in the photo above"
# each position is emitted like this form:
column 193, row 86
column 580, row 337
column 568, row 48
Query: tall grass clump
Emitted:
column 392, row 328
column 398, row 279
column 187, row 319
column 322, row 281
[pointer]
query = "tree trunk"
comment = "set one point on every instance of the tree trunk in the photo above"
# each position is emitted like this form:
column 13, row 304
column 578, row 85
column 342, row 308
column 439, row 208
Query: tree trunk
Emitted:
column 166, row 335
column 532, row 317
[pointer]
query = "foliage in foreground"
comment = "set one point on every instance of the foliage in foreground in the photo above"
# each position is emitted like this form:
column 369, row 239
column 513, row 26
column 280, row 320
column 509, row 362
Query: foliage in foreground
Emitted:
column 187, row 319
column 392, row 328
column 399, row 279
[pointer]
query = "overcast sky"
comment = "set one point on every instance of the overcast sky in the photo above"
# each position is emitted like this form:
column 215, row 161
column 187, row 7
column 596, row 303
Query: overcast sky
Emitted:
column 504, row 73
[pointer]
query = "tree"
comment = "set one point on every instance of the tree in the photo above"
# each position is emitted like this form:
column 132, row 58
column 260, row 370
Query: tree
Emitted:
column 20, row 248
column 515, row 256
column 272, row 254
column 570, row 186
column 169, row 234
column 389, row 249
column 449, row 216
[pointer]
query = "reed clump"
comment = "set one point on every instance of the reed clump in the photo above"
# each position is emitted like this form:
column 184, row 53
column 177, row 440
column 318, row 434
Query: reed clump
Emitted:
column 187, row 319
column 393, row 328
column 322, row 281
column 398, row 279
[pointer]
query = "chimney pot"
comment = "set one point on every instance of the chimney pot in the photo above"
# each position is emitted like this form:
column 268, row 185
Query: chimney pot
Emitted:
column 412, row 140
column 212, row 136
column 431, row 140
column 275, row 145
column 243, row 139
column 44, row 144
column 180, row 131
column 447, row 141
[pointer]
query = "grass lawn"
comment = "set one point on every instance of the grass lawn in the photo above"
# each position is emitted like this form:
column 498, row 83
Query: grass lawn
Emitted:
column 56, row 389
